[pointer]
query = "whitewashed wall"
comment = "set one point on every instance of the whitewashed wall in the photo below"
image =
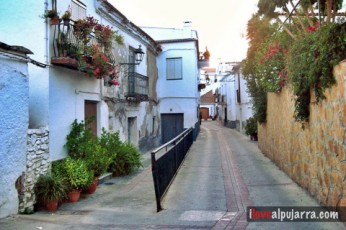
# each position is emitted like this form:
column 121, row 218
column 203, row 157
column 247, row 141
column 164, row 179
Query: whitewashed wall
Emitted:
column 179, row 96
column 237, row 113
column 21, row 23
column 68, row 89
column 14, row 114
column 244, row 109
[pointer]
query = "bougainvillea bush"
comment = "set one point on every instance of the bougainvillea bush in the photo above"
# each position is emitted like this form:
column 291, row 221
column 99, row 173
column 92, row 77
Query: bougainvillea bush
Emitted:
column 301, row 55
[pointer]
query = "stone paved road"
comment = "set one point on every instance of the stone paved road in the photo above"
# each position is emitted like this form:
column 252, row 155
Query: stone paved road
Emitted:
column 223, row 173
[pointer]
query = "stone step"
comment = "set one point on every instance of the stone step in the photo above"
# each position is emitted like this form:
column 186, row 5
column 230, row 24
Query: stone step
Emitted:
column 104, row 177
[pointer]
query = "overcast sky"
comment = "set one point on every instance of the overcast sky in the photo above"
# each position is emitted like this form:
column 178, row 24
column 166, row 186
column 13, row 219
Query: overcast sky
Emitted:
column 221, row 24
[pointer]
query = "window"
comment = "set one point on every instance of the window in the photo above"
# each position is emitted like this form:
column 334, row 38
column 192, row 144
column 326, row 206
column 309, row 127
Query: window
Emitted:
column 78, row 10
column 174, row 68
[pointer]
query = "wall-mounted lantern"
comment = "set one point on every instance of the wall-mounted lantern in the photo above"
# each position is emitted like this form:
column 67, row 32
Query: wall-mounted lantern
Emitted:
column 139, row 54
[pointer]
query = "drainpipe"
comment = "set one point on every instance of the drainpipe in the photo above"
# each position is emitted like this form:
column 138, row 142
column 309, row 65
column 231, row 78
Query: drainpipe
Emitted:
column 46, row 35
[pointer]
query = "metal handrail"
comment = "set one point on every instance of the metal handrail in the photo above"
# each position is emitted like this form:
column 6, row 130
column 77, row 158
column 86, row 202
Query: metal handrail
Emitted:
column 165, row 168
column 170, row 142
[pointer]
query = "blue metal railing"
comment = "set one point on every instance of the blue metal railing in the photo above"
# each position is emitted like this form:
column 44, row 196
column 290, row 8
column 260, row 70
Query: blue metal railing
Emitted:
column 165, row 166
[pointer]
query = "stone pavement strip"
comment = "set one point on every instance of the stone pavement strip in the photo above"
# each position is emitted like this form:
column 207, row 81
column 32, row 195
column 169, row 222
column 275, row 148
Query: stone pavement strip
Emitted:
column 223, row 173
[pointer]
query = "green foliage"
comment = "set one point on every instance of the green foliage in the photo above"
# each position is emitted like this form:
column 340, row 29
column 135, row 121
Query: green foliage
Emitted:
column 98, row 158
column 271, row 70
column 126, row 159
column 51, row 14
column 101, row 153
column 258, row 31
column 50, row 187
column 268, row 7
column 251, row 126
column 79, row 140
column 310, row 65
column 305, row 61
column 77, row 174
column 58, row 169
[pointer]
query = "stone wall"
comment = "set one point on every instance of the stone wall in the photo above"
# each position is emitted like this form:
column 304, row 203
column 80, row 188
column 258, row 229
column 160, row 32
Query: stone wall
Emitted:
column 314, row 157
column 37, row 163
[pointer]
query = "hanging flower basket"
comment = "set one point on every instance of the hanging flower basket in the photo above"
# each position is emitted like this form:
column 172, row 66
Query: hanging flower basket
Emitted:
column 66, row 22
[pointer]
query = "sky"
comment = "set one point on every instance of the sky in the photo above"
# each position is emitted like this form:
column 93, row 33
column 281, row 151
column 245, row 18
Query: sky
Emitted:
column 221, row 24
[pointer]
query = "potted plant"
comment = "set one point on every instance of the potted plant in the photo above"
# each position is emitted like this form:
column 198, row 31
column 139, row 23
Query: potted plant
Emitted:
column 79, row 139
column 49, row 190
column 78, row 177
column 251, row 128
column 126, row 159
column 83, row 29
column 100, row 66
column 97, row 161
column 53, row 15
column 66, row 17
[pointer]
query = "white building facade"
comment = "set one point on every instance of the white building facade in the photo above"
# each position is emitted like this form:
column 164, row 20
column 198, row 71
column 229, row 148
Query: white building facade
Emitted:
column 58, row 95
column 59, row 92
column 177, row 86
column 14, row 114
column 234, row 103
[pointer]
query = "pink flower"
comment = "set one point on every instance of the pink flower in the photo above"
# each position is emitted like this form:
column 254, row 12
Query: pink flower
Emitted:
column 114, row 82
column 97, row 72
column 311, row 28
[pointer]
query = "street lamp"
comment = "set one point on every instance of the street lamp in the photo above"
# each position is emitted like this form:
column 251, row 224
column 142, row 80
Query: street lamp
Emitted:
column 139, row 54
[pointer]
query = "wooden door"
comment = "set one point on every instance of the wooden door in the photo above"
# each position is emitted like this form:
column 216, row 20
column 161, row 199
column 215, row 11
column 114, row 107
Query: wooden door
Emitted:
column 172, row 125
column 90, row 113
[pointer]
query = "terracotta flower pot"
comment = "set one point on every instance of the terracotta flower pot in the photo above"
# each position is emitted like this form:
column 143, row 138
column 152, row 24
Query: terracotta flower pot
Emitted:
column 92, row 188
column 52, row 205
column 74, row 196
column 54, row 21
column 254, row 137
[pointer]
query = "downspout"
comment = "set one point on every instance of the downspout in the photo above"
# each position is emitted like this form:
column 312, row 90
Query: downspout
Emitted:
column 46, row 34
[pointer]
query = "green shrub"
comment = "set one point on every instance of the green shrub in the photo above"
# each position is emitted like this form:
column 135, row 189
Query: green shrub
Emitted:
column 310, row 64
column 77, row 174
column 127, row 159
column 102, row 153
column 251, row 126
column 50, row 187
column 98, row 159
column 79, row 140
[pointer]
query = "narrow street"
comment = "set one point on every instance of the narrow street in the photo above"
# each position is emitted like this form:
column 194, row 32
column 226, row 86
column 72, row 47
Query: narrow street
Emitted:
column 223, row 173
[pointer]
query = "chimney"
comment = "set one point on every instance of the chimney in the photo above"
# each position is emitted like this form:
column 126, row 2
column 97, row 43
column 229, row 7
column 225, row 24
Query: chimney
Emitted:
column 187, row 31
column 187, row 24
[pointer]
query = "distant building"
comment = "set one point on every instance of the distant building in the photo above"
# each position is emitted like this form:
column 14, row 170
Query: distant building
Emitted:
column 208, row 106
column 234, row 103
column 177, row 87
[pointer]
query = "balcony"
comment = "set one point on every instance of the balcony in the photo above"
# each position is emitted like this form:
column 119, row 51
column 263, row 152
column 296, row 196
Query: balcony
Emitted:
column 72, row 46
column 66, row 48
column 138, row 87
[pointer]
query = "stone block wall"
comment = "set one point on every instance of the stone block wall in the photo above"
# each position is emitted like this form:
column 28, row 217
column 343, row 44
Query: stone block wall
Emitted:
column 315, row 157
column 37, row 163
